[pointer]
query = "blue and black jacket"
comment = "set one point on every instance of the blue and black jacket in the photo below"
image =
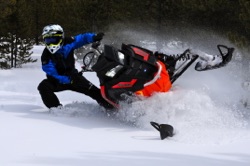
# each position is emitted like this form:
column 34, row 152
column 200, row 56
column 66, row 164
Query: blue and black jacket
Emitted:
column 61, row 65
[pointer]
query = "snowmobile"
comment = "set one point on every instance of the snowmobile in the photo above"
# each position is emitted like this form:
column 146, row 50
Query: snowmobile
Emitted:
column 122, row 72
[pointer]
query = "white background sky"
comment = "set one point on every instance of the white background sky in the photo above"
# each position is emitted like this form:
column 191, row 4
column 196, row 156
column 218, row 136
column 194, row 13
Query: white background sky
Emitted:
column 211, row 126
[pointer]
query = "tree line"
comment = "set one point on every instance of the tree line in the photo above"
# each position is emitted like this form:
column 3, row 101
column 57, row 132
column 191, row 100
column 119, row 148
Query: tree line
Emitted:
column 21, row 21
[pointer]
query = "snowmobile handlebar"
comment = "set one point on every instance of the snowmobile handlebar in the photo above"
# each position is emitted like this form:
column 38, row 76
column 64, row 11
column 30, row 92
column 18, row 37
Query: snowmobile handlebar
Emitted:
column 96, row 44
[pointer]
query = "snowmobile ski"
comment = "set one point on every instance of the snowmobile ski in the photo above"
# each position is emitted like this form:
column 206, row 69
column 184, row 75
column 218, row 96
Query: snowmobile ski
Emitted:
column 226, row 58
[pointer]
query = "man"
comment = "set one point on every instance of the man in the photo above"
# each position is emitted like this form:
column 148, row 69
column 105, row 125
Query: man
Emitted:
column 59, row 65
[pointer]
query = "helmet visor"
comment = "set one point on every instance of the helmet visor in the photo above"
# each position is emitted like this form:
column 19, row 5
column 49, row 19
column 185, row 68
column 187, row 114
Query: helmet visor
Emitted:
column 52, row 40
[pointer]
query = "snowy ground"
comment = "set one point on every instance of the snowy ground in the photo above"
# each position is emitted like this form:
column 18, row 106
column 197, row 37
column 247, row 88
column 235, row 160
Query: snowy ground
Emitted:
column 211, row 126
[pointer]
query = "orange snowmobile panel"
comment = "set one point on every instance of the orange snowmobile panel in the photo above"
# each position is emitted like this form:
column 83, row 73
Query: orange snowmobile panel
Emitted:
column 163, row 84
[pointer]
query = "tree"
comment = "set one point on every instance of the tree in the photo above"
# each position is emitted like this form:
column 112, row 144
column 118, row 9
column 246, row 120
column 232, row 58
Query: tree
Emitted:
column 17, row 35
column 4, row 53
column 6, row 8
column 244, row 16
column 23, row 55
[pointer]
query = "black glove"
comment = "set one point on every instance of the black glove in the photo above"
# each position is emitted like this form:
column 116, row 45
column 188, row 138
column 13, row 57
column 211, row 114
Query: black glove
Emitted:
column 98, row 37
column 75, row 77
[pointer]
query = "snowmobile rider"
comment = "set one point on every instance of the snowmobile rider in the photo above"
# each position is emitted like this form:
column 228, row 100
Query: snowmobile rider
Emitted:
column 59, row 65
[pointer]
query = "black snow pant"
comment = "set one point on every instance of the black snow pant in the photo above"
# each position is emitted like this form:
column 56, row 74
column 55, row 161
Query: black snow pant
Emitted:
column 47, row 89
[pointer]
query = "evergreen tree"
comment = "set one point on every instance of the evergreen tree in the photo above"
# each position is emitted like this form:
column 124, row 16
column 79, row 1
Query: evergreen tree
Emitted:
column 16, row 36
column 4, row 53
column 244, row 16
column 23, row 52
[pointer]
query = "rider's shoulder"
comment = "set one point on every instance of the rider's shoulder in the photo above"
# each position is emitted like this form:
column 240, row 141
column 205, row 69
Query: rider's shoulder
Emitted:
column 69, row 39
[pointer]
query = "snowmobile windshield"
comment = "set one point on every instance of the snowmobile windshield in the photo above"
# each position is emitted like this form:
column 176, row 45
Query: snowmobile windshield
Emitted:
column 89, row 60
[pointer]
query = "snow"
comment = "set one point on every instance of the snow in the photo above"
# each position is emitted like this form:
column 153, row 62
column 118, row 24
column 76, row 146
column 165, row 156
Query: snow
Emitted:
column 211, row 126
